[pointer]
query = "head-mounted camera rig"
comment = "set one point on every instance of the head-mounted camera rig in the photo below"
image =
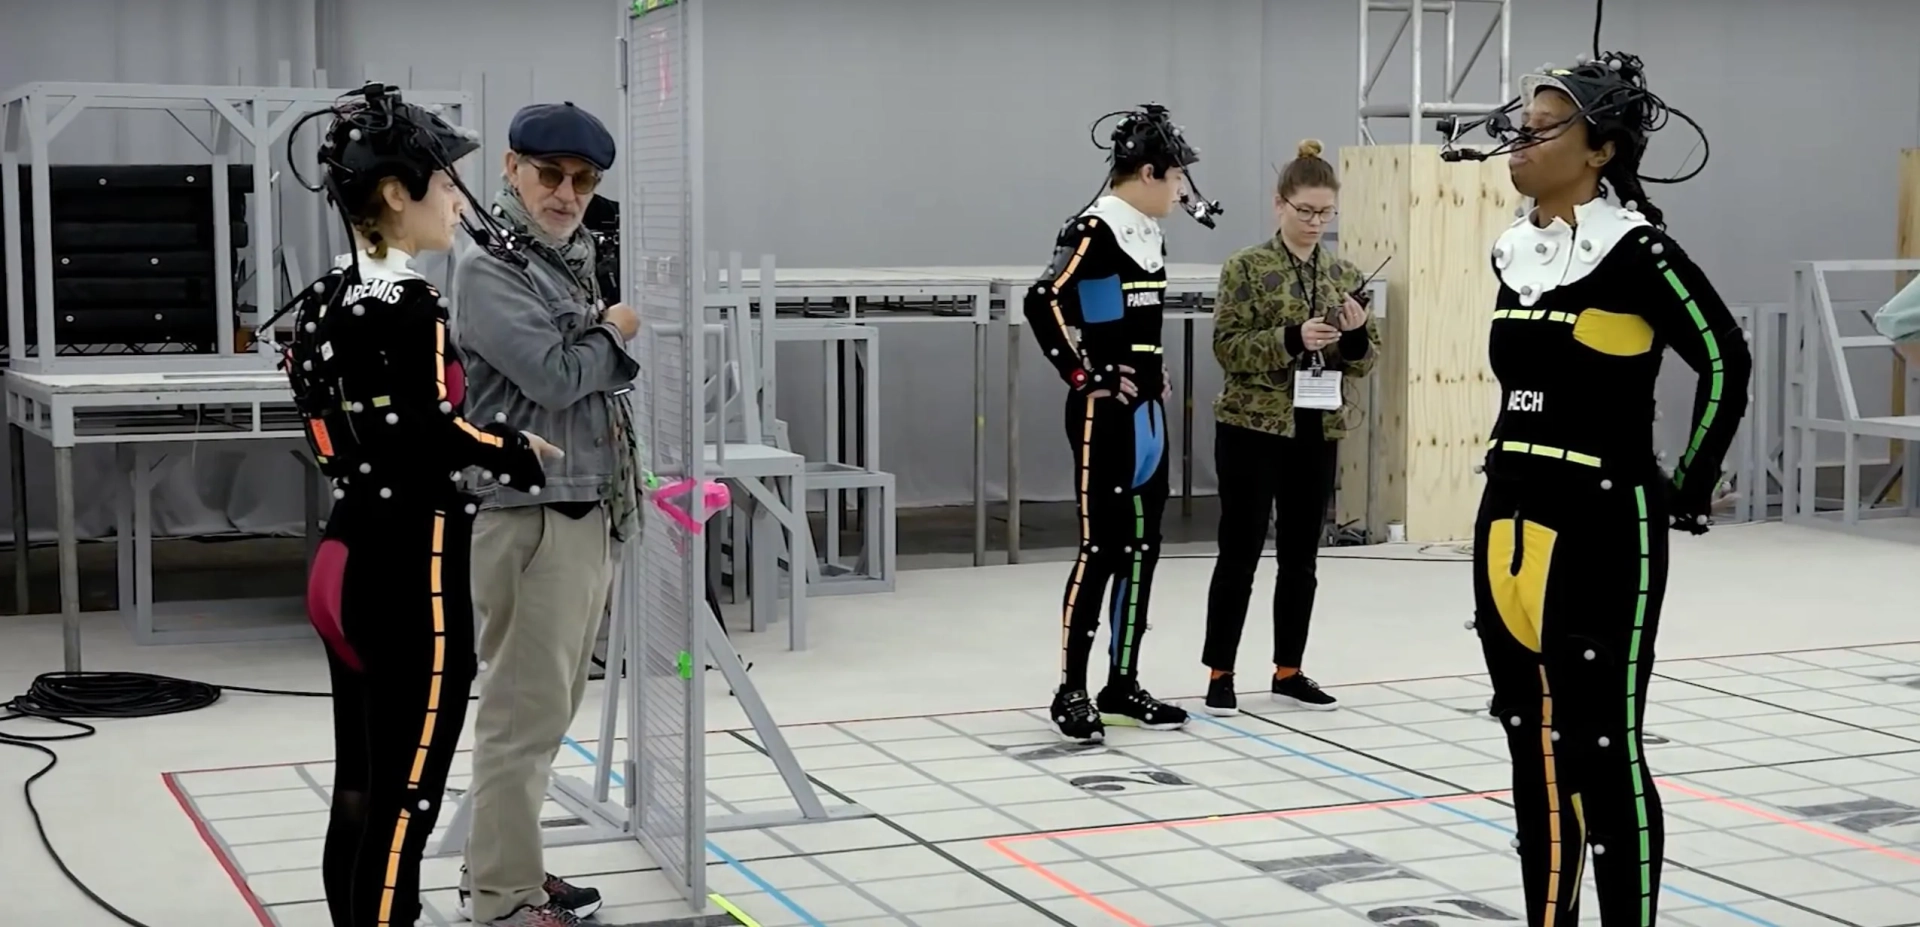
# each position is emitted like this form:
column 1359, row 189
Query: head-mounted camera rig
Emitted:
column 375, row 134
column 1609, row 91
column 1148, row 137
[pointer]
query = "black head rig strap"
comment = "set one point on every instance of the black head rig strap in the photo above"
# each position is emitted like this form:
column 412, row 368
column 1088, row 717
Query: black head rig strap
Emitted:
column 1610, row 94
column 1148, row 137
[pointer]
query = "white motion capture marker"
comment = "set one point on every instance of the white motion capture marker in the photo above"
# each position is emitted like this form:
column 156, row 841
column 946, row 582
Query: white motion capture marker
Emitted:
column 1590, row 654
column 500, row 417
column 386, row 493
column 1469, row 624
column 1554, row 736
column 446, row 407
column 1598, row 849
column 471, row 508
column 359, row 309
column 424, row 804
column 366, row 468
column 393, row 418
column 1604, row 743
column 1606, row 484
column 339, row 494
column 1515, row 720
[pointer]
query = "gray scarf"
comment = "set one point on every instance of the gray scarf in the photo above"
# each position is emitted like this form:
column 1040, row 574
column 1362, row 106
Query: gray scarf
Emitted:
column 577, row 255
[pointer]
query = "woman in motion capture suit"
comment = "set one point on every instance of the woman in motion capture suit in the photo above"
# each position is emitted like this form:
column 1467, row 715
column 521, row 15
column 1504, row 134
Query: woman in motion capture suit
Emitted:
column 1108, row 280
column 380, row 389
column 1570, row 547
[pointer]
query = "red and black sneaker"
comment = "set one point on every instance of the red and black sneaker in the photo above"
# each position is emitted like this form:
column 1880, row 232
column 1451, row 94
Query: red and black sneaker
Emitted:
column 580, row 900
column 561, row 894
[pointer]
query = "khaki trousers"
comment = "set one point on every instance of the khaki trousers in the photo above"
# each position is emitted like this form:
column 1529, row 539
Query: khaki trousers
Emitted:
column 540, row 587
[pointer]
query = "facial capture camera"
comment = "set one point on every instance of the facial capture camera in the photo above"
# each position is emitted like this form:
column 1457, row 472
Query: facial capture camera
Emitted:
column 1148, row 137
column 1609, row 91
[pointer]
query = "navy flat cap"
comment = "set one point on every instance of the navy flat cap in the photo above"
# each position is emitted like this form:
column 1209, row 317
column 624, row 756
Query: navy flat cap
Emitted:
column 558, row 130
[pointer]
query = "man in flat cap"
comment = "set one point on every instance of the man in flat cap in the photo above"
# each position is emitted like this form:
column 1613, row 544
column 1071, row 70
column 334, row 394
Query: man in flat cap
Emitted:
column 545, row 353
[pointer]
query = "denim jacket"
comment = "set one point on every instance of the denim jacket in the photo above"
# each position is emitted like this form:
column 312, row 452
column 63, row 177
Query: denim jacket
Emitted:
column 536, row 350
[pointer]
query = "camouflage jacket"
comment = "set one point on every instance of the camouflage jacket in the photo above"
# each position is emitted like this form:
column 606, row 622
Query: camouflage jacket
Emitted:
column 1261, row 304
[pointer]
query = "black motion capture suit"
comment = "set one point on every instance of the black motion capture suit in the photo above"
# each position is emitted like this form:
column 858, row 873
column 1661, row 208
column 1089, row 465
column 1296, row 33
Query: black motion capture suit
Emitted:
column 1108, row 280
column 380, row 389
column 1571, row 540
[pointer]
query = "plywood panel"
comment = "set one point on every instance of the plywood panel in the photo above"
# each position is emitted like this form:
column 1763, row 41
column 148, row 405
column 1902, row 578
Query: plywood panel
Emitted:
column 1437, row 399
column 1373, row 223
column 1452, row 399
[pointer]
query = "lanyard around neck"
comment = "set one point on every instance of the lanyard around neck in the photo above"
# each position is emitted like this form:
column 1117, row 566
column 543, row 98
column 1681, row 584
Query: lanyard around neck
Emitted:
column 1308, row 275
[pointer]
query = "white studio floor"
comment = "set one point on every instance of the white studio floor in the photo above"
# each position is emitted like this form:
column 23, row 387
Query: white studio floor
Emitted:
column 1785, row 732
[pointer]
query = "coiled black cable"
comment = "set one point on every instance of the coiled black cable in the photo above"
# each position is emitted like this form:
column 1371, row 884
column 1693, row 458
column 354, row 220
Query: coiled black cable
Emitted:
column 65, row 698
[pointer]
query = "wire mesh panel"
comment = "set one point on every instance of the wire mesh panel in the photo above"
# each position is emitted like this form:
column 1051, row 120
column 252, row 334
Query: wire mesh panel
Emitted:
column 661, row 590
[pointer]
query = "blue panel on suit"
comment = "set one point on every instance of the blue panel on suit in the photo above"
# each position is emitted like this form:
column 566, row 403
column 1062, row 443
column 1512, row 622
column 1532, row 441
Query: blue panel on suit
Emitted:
column 1149, row 440
column 1100, row 300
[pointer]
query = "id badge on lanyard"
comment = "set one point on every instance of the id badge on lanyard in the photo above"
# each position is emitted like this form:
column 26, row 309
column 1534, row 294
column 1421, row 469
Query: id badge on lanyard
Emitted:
column 1314, row 386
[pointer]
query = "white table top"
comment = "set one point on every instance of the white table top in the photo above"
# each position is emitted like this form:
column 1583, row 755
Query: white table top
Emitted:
column 1014, row 274
column 996, row 274
column 166, row 382
column 754, row 460
column 827, row 277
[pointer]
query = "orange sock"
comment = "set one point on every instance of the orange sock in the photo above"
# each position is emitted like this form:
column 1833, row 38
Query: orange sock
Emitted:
column 1216, row 674
column 1282, row 672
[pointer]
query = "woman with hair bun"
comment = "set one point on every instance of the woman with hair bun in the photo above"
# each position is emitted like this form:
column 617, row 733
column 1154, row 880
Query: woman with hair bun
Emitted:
column 1288, row 328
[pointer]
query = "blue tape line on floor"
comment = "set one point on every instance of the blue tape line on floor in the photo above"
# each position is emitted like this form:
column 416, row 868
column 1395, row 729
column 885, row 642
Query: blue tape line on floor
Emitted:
column 746, row 872
column 1403, row 793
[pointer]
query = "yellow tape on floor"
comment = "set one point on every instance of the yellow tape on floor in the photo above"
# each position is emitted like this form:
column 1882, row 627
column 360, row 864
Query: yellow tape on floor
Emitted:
column 723, row 904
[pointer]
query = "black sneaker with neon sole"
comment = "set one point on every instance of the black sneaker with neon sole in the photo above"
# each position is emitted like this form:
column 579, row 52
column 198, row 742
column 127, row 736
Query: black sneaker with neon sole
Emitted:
column 1073, row 716
column 1132, row 706
column 1300, row 691
column 1221, row 701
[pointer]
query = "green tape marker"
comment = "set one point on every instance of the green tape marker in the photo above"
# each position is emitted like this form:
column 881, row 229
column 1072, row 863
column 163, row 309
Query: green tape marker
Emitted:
column 643, row 7
column 686, row 665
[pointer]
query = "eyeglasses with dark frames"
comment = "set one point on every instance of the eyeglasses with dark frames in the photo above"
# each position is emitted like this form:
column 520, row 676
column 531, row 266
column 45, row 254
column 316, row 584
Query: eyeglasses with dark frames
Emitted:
column 1309, row 214
column 551, row 175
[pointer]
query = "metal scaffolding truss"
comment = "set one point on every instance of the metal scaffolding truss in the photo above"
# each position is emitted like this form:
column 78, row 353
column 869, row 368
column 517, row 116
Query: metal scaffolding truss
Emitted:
column 1815, row 336
column 1419, row 104
column 31, row 116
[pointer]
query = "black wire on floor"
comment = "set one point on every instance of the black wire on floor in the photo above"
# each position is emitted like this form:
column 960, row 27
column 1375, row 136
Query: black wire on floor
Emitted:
column 66, row 698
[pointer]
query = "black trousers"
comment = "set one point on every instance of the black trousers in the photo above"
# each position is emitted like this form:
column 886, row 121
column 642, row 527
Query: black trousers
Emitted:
column 1268, row 480
column 1568, row 582
column 1120, row 483
column 389, row 593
